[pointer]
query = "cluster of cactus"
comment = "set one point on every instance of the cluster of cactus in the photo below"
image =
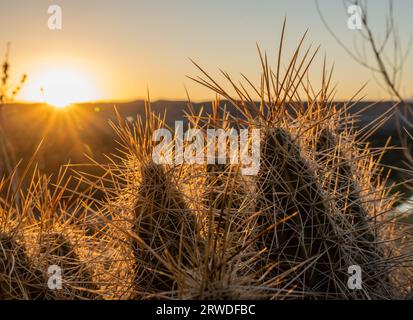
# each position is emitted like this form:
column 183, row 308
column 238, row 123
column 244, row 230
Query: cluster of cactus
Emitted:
column 22, row 278
column 35, row 241
column 318, row 205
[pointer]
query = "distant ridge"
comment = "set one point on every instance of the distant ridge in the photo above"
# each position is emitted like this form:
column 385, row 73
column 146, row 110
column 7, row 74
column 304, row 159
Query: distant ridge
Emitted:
column 83, row 129
column 175, row 110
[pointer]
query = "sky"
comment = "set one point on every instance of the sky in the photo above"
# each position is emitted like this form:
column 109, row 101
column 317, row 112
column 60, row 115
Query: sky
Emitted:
column 116, row 49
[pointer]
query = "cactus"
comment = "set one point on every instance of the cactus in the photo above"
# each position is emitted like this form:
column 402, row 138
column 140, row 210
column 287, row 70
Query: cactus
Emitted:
column 334, row 154
column 165, row 228
column 292, row 201
column 18, row 279
column 77, row 281
column 225, row 190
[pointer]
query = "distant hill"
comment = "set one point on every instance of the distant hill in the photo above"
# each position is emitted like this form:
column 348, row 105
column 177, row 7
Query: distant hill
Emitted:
column 81, row 129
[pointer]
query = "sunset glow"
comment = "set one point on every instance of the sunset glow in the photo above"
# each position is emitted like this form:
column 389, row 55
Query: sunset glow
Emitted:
column 60, row 87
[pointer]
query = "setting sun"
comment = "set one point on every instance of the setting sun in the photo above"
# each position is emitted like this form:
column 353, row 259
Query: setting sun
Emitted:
column 60, row 87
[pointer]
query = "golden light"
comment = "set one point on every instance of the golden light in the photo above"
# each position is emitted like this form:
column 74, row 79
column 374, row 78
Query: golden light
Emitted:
column 60, row 87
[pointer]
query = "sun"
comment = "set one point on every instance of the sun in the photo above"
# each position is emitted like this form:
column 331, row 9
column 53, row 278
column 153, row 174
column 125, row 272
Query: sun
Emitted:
column 61, row 87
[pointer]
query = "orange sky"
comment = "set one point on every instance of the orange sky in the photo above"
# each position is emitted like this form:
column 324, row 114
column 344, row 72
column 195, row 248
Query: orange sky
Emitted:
column 115, row 50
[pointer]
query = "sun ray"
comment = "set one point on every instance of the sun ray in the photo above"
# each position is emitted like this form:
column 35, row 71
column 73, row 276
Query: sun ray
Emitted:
column 60, row 87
